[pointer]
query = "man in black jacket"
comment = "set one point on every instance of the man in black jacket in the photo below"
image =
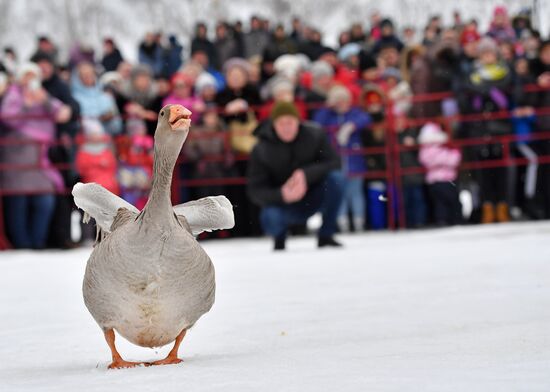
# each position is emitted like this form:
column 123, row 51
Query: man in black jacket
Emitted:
column 201, row 42
column 57, row 88
column 111, row 55
column 292, row 174
column 62, row 153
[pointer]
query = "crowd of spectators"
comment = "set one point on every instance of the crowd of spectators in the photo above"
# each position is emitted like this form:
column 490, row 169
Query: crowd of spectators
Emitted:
column 94, row 116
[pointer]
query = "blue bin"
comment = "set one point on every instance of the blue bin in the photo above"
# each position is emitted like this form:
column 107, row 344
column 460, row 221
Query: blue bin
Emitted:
column 377, row 207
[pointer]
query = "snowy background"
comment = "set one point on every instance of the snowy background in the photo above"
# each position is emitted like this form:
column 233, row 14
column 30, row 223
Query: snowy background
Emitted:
column 128, row 20
column 458, row 309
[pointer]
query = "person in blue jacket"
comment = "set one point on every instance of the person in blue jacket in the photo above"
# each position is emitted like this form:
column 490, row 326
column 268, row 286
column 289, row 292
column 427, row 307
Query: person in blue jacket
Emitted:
column 345, row 124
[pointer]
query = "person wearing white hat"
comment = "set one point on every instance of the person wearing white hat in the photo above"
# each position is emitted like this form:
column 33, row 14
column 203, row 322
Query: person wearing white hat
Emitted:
column 322, row 78
column 206, row 87
column 290, row 66
column 441, row 163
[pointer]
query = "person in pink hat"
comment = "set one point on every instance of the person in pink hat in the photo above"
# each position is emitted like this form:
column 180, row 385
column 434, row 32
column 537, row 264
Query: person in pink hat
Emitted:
column 501, row 28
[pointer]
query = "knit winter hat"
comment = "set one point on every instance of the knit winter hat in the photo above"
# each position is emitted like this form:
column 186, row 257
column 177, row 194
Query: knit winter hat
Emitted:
column 284, row 109
column 278, row 84
column 289, row 65
column 203, row 81
column 321, row 68
column 28, row 68
column 432, row 133
column 468, row 36
column 372, row 95
column 141, row 69
column 487, row 44
column 337, row 94
column 348, row 50
column 236, row 62
column 500, row 10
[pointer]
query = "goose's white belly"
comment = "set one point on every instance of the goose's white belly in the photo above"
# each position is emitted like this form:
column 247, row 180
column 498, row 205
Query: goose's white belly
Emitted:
column 149, row 292
column 150, row 321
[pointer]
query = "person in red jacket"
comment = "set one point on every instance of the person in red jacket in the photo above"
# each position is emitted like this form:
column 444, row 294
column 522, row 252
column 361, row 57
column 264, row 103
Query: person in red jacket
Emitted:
column 95, row 159
column 136, row 164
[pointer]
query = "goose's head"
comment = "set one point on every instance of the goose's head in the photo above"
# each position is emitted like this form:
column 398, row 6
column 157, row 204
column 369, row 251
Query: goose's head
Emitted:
column 174, row 122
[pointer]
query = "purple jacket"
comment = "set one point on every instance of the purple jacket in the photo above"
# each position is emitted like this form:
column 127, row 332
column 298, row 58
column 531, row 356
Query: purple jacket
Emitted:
column 34, row 134
column 441, row 162
column 332, row 120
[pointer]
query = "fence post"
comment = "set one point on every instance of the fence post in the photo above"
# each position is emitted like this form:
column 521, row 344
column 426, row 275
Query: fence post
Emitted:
column 395, row 186
column 398, row 178
column 390, row 176
column 4, row 243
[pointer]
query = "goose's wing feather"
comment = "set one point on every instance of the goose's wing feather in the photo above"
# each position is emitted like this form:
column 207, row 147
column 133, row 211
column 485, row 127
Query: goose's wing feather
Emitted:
column 123, row 215
column 207, row 214
column 102, row 205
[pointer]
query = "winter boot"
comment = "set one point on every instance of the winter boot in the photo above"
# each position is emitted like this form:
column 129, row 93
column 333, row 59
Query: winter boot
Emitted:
column 502, row 212
column 279, row 243
column 487, row 213
column 532, row 209
column 328, row 241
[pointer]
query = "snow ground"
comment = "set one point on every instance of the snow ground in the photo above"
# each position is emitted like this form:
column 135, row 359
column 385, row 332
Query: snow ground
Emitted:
column 460, row 309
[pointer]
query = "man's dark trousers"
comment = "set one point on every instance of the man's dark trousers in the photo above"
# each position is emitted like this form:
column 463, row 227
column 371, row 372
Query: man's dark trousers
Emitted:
column 325, row 197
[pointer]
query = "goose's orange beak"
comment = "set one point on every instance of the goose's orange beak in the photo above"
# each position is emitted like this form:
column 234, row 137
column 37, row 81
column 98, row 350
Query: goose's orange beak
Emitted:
column 179, row 118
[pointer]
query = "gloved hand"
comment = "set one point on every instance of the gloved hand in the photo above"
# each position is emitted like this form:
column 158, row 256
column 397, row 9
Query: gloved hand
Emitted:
column 344, row 133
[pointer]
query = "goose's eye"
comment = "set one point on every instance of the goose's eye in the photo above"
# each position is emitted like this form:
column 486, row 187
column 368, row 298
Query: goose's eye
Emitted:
column 162, row 114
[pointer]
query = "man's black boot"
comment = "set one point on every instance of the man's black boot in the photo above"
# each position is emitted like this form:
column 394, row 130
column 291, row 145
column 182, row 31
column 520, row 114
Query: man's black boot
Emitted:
column 279, row 243
column 328, row 241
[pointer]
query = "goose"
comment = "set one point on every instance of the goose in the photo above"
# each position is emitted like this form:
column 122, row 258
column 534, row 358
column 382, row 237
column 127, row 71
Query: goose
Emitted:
column 147, row 277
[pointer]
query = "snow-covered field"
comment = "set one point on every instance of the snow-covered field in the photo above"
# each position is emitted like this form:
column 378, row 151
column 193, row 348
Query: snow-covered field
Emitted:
column 461, row 309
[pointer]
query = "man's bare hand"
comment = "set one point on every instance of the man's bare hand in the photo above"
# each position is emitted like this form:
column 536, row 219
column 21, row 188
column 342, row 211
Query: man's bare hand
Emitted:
column 292, row 194
column 295, row 188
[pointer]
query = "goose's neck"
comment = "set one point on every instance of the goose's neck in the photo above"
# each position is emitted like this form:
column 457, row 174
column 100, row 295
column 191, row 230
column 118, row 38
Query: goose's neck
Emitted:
column 159, row 204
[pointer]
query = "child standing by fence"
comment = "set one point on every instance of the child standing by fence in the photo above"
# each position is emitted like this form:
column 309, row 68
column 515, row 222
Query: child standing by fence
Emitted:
column 441, row 163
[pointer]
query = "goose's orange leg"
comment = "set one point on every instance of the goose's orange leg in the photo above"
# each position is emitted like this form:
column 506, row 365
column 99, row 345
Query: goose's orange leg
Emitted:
column 172, row 357
column 118, row 362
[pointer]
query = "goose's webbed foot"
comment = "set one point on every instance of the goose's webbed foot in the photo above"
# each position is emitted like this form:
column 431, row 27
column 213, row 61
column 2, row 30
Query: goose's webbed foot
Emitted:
column 118, row 362
column 172, row 357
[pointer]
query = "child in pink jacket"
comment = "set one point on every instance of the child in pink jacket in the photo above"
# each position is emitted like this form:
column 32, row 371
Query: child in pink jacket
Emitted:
column 441, row 163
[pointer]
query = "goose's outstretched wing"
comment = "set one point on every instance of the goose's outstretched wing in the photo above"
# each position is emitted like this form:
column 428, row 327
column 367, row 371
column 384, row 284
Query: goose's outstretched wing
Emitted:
column 207, row 214
column 100, row 204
